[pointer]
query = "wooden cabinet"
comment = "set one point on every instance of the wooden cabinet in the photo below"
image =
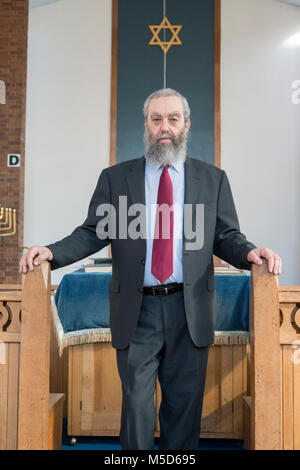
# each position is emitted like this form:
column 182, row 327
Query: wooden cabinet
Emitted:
column 94, row 389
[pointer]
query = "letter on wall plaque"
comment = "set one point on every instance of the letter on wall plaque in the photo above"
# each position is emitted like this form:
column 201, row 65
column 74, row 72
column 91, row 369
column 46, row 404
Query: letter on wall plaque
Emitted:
column 13, row 159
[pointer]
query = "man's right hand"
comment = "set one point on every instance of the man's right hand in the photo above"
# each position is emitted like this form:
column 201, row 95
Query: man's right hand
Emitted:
column 34, row 256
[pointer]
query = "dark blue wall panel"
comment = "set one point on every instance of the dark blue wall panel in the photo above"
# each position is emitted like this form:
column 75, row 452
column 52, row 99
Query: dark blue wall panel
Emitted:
column 189, row 67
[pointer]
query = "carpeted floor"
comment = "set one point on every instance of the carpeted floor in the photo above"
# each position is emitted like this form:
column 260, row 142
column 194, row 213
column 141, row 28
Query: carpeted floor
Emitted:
column 113, row 443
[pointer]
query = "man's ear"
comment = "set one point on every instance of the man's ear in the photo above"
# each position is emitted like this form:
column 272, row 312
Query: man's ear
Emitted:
column 188, row 124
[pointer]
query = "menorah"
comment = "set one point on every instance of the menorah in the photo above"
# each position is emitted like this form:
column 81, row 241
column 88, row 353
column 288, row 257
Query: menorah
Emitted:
column 7, row 222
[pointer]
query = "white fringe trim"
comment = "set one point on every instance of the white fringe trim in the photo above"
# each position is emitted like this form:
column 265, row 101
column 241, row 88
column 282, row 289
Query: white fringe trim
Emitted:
column 90, row 335
column 103, row 335
column 231, row 337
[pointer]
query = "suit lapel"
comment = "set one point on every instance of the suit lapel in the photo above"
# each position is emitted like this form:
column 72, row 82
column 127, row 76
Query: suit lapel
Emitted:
column 194, row 187
column 136, row 192
column 136, row 182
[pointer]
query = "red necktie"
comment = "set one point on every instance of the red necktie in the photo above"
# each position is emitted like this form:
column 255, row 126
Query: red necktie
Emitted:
column 162, row 253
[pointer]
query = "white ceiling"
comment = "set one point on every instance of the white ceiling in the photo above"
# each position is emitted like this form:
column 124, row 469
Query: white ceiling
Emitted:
column 38, row 3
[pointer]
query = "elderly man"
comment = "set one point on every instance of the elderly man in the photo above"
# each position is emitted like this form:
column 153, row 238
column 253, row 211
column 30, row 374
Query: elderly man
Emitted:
column 162, row 291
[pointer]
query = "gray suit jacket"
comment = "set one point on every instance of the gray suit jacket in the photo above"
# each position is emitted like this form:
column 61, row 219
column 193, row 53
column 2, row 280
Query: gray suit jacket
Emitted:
column 204, row 184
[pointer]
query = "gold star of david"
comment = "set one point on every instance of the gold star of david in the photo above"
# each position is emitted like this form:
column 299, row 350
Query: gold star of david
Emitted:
column 165, row 45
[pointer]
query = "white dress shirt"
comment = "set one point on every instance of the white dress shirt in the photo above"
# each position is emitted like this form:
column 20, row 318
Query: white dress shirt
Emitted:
column 152, row 177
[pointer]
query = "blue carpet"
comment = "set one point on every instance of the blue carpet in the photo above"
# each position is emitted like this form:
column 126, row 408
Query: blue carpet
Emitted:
column 113, row 443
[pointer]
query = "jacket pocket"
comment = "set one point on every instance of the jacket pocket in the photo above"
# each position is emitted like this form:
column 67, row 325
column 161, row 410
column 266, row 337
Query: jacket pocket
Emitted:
column 114, row 285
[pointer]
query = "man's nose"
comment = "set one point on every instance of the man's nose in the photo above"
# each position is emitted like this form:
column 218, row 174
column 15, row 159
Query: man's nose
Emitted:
column 165, row 125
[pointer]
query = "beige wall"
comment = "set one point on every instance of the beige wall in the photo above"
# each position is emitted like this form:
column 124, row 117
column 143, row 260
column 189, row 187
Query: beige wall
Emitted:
column 68, row 109
column 260, row 124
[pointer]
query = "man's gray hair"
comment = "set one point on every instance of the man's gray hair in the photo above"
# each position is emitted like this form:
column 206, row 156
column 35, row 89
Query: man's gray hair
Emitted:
column 168, row 92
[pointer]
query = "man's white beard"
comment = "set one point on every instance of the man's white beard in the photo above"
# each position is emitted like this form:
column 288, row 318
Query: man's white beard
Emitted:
column 165, row 153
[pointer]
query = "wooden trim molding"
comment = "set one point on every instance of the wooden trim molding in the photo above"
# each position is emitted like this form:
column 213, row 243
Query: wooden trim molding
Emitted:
column 114, row 78
column 217, row 87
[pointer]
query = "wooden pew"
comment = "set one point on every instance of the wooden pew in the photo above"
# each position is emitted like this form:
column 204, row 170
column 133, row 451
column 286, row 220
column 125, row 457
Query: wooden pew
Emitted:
column 272, row 411
column 30, row 417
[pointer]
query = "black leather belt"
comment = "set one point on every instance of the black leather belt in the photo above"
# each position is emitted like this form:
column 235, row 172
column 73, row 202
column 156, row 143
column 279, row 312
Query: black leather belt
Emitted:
column 163, row 289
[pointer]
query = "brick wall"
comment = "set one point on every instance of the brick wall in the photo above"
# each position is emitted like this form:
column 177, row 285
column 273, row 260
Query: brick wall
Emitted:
column 13, row 64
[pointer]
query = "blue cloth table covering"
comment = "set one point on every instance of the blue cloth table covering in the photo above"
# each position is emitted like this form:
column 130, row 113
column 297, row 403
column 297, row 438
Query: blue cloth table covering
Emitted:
column 82, row 301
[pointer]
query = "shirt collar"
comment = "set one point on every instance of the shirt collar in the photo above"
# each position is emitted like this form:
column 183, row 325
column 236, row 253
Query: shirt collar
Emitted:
column 155, row 166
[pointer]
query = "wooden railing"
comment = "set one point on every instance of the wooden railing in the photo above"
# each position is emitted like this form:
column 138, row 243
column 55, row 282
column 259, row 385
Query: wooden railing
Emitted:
column 29, row 416
column 272, row 413
column 10, row 339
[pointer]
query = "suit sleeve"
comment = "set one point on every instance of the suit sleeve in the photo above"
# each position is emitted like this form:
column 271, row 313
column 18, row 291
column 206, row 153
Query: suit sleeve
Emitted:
column 229, row 243
column 83, row 241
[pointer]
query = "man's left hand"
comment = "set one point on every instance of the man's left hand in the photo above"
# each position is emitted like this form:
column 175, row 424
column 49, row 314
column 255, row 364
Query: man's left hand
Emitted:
column 274, row 260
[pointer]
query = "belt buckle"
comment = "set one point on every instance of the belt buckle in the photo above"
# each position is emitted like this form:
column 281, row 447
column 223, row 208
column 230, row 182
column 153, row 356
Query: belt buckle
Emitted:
column 166, row 291
column 153, row 291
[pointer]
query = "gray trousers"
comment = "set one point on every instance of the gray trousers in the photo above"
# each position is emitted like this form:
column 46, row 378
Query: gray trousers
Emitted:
column 162, row 347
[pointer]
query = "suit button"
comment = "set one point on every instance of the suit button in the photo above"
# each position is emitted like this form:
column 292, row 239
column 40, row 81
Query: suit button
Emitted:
column 140, row 290
column 143, row 261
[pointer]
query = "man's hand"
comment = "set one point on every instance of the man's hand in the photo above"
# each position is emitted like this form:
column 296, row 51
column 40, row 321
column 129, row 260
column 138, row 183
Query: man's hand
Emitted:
column 34, row 256
column 274, row 260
